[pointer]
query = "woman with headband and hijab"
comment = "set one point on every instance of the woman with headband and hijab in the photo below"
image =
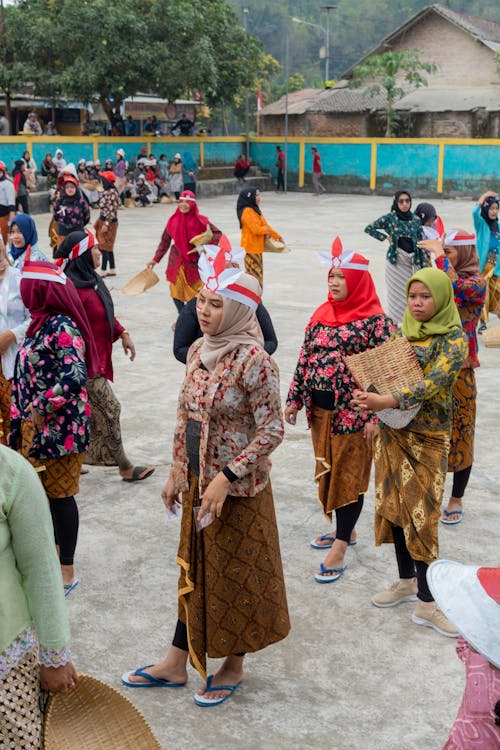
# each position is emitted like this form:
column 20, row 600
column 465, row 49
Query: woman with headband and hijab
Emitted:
column 79, row 257
column 231, row 591
column 485, row 217
column 50, row 413
column 349, row 322
column 403, row 230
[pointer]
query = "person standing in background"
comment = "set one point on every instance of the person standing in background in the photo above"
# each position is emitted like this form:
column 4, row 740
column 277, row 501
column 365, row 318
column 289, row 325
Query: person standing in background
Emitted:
column 317, row 172
column 7, row 201
column 280, row 165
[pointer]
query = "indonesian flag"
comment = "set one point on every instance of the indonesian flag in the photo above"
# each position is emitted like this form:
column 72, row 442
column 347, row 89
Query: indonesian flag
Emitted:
column 259, row 100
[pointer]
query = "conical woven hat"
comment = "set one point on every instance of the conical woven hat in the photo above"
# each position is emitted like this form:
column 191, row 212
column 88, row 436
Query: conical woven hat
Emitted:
column 95, row 716
column 140, row 283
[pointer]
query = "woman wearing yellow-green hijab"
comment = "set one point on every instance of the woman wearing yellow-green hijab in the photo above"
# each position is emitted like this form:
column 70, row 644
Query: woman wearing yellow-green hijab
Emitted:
column 411, row 463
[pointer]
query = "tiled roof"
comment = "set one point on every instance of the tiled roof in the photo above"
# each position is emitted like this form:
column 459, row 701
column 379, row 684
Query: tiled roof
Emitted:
column 463, row 99
column 338, row 98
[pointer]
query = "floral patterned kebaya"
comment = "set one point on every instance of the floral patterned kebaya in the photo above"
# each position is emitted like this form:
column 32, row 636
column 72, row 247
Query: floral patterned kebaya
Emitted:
column 51, row 373
column 321, row 367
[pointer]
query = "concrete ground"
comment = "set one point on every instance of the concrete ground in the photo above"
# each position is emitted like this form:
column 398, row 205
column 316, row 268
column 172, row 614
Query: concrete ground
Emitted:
column 349, row 676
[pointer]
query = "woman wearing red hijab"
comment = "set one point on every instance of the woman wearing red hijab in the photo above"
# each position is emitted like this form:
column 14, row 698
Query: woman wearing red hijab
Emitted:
column 182, row 268
column 50, row 413
column 350, row 321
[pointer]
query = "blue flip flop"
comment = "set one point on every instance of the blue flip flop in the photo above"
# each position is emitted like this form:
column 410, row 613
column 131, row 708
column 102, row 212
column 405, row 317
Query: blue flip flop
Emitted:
column 323, row 577
column 200, row 700
column 69, row 587
column 153, row 682
column 448, row 513
column 328, row 538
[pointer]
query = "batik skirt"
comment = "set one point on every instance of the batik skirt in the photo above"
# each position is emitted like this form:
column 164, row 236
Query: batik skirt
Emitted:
column 254, row 265
column 105, row 447
column 461, row 454
column 20, row 714
column 60, row 476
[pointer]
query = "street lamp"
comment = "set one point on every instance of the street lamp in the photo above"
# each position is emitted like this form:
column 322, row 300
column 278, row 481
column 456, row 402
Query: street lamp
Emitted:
column 326, row 32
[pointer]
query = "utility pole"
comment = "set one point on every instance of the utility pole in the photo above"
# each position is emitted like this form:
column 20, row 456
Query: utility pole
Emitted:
column 247, row 125
column 287, row 73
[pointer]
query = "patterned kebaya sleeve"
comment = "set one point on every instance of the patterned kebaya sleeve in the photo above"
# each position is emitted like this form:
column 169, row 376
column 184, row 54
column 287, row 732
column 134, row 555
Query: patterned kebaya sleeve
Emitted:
column 466, row 288
column 442, row 374
column 163, row 247
column 381, row 223
column 262, row 386
column 68, row 348
column 297, row 391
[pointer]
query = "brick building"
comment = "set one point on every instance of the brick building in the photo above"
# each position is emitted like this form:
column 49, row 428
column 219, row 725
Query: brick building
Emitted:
column 462, row 99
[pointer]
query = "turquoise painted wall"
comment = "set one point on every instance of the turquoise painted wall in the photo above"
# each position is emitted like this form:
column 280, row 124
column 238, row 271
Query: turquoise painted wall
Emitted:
column 72, row 151
column 347, row 163
column 265, row 155
column 471, row 168
column 222, row 152
column 9, row 152
column 413, row 166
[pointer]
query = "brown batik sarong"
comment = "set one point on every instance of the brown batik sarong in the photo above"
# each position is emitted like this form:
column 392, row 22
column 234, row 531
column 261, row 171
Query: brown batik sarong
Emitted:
column 60, row 476
column 5, row 393
column 231, row 588
column 492, row 299
column 410, row 472
column 106, row 234
column 105, row 447
column 461, row 454
column 20, row 715
column 254, row 265
column 343, row 462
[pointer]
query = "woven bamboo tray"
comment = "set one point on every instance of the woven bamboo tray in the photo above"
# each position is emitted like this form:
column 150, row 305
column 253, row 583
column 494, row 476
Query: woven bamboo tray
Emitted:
column 95, row 716
column 389, row 367
column 491, row 337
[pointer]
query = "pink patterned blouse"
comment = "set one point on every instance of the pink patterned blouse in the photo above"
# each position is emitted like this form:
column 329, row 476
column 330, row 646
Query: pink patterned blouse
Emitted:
column 239, row 407
column 474, row 727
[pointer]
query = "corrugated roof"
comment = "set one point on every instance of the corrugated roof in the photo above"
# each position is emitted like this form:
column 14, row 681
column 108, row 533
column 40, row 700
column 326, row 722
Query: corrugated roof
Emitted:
column 338, row 98
column 459, row 99
column 485, row 31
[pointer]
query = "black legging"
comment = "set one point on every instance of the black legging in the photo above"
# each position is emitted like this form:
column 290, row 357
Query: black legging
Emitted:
column 347, row 517
column 64, row 512
column 408, row 567
column 180, row 639
column 460, row 482
column 108, row 256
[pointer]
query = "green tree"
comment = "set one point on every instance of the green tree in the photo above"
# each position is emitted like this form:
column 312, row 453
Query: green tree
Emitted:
column 389, row 71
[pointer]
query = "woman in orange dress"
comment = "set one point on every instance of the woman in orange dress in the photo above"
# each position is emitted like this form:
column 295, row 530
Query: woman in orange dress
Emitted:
column 254, row 230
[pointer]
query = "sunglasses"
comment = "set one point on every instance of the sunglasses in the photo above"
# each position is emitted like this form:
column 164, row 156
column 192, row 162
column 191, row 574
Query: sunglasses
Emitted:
column 404, row 200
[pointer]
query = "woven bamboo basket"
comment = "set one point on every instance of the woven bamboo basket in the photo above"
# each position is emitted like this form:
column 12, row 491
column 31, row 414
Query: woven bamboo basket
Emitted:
column 389, row 367
column 385, row 369
column 140, row 283
column 275, row 246
column 203, row 238
column 491, row 337
column 95, row 716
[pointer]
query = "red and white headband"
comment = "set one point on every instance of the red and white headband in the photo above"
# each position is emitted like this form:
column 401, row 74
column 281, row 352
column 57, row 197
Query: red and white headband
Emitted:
column 42, row 270
column 81, row 247
column 343, row 259
column 233, row 255
column 218, row 278
column 456, row 238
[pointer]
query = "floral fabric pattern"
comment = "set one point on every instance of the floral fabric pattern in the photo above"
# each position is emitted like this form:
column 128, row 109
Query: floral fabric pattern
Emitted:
column 51, row 374
column 441, row 359
column 395, row 228
column 27, row 643
column 71, row 215
column 109, row 203
column 321, row 367
column 470, row 294
column 245, row 383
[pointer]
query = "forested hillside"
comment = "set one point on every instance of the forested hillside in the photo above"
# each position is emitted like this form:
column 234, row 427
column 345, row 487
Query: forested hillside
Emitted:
column 356, row 27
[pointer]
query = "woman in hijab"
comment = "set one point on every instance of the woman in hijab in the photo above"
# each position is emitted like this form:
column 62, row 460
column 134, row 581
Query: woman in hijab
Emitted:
column 403, row 230
column 14, row 320
column 23, row 235
column 254, row 230
column 182, row 267
column 21, row 186
column 457, row 256
column 106, row 226
column 79, row 257
column 175, row 176
column 228, row 423
column 350, row 321
column 50, row 414
column 485, row 216
column 70, row 210
column 411, row 463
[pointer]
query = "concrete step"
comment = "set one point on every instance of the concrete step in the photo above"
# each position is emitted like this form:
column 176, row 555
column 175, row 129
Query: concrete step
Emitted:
column 224, row 172
column 39, row 202
column 213, row 188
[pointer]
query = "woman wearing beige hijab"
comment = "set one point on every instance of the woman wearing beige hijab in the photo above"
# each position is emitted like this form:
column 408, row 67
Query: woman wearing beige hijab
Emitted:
column 231, row 590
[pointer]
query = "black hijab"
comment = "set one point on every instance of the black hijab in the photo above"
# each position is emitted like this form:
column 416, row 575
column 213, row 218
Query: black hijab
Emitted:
column 82, row 273
column 425, row 211
column 403, row 215
column 247, row 199
column 486, row 205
